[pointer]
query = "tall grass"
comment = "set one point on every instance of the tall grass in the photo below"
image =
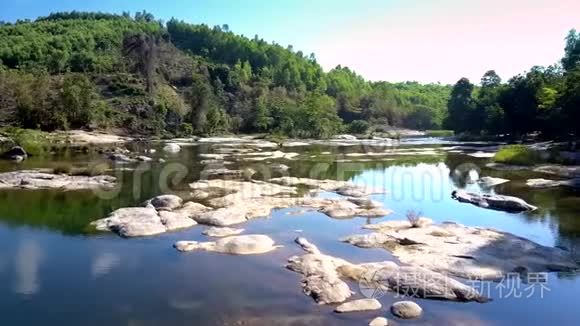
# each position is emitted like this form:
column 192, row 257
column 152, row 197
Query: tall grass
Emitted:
column 517, row 155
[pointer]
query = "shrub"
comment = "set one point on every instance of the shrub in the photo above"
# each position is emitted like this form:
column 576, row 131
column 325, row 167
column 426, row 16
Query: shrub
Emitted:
column 358, row 127
column 517, row 154
column 414, row 218
column 439, row 133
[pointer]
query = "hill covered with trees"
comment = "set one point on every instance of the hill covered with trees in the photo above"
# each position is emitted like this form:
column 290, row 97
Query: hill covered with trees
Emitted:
column 132, row 72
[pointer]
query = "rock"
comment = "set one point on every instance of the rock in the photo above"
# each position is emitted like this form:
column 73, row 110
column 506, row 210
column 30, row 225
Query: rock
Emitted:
column 234, row 245
column 357, row 191
column 326, row 185
column 490, row 201
column 379, row 321
column 223, row 216
column 172, row 148
column 345, row 137
column 161, row 214
column 152, row 151
column 224, row 173
column 132, row 222
column 16, row 153
column 218, row 232
column 365, row 202
column 120, row 158
column 323, row 274
column 164, row 202
column 338, row 208
column 215, row 157
column 406, row 309
column 359, row 305
column 491, row 181
column 506, row 167
column 466, row 252
column 295, row 144
column 143, row 158
column 31, row 179
column 279, row 168
column 175, row 221
column 482, row 154
column 565, row 171
column 545, row 183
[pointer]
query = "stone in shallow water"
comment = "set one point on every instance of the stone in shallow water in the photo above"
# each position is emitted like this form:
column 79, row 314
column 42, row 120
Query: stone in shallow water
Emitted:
column 359, row 305
column 491, row 201
column 379, row 321
column 466, row 252
column 234, row 245
column 164, row 202
column 406, row 309
column 172, row 148
column 175, row 221
column 220, row 232
column 545, row 183
column 132, row 222
column 31, row 179
column 491, row 181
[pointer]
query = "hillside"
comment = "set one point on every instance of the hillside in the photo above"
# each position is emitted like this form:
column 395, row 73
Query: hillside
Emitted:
column 105, row 71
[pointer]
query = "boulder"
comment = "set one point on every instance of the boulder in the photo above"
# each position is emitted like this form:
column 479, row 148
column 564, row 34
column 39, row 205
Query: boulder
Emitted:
column 132, row 222
column 345, row 137
column 359, row 305
column 234, row 245
column 175, row 221
column 379, row 321
column 164, row 202
column 172, row 148
column 467, row 252
column 406, row 309
column 16, row 153
column 223, row 216
column 220, row 232
column 491, row 181
column 491, row 201
column 224, row 173
column 32, row 179
column 565, row 171
column 545, row 183
column 143, row 158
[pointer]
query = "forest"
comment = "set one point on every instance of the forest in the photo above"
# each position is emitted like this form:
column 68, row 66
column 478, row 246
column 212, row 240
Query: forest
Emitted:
column 136, row 74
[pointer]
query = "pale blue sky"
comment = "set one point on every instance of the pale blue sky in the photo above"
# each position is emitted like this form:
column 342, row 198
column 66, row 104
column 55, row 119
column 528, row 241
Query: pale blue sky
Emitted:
column 393, row 40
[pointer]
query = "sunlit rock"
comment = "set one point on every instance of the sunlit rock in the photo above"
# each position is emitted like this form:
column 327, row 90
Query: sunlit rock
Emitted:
column 234, row 245
column 491, row 201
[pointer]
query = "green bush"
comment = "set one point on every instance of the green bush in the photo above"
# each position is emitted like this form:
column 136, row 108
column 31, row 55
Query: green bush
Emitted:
column 358, row 127
column 517, row 154
column 439, row 133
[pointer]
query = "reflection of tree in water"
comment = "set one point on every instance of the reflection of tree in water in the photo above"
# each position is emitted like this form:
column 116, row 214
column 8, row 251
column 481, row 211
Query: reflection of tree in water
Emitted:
column 460, row 167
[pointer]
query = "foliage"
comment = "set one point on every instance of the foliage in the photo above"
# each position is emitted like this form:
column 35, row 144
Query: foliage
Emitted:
column 439, row 133
column 358, row 127
column 517, row 155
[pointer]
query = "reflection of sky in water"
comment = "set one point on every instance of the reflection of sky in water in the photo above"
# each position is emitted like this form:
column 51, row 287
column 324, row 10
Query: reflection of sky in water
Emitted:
column 427, row 188
column 103, row 263
column 28, row 257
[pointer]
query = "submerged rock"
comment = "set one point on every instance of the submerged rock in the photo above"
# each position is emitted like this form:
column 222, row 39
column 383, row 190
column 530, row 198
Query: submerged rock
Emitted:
column 565, row 171
column 172, row 148
column 224, row 173
column 234, row 245
column 545, row 183
column 466, row 252
column 359, row 305
column 120, row 158
column 16, row 153
column 220, row 232
column 497, row 202
column 31, row 179
column 379, row 321
column 406, row 309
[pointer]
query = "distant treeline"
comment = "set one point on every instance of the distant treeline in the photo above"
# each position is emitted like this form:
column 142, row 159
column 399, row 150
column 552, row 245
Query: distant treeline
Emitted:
column 99, row 70
column 545, row 100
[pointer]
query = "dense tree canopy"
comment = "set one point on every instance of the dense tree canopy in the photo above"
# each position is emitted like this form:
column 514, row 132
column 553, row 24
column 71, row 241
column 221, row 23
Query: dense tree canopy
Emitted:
column 77, row 69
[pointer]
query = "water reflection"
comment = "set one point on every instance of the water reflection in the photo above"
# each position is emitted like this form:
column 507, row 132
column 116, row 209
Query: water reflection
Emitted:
column 27, row 264
column 103, row 263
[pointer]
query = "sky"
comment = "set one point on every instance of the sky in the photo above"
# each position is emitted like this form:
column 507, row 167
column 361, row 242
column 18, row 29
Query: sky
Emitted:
column 393, row 40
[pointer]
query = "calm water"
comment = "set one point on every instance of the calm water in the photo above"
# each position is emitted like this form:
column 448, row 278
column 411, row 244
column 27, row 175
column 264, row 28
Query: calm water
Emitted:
column 56, row 271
